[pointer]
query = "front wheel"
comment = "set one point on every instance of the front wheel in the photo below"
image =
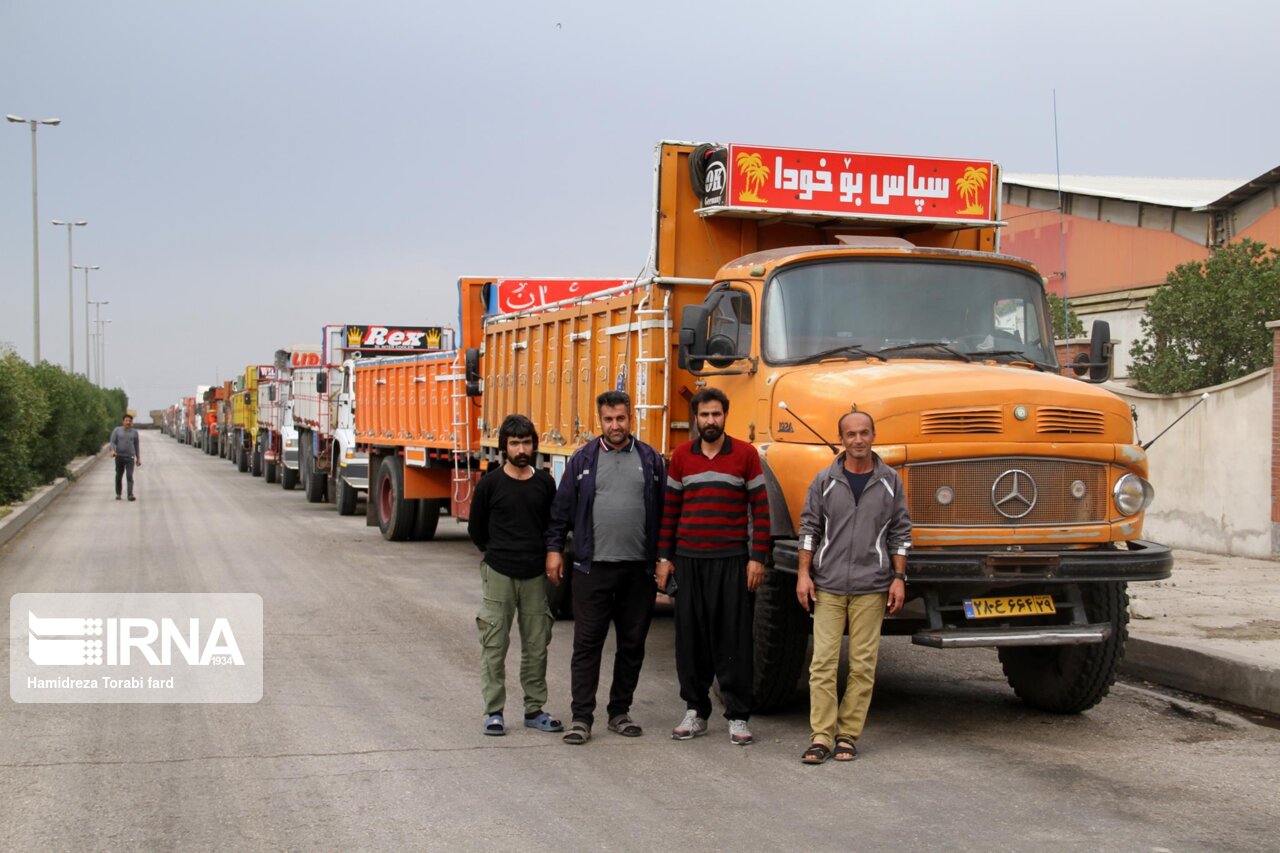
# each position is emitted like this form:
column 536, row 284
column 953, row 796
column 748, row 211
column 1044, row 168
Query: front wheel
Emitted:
column 1071, row 679
column 269, row 472
column 288, row 477
column 344, row 494
column 781, row 641
column 255, row 463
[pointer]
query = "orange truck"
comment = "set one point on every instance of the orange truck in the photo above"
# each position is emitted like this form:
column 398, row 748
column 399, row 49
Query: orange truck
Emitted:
column 210, row 431
column 806, row 284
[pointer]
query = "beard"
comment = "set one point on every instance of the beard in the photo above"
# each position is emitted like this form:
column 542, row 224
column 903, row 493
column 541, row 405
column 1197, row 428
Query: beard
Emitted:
column 520, row 460
column 710, row 433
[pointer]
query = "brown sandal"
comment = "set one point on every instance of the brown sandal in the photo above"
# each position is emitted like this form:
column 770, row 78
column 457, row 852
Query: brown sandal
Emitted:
column 817, row 753
column 845, row 749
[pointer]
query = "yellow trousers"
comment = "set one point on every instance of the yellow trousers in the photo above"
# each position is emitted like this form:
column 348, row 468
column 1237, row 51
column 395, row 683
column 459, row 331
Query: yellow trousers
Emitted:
column 832, row 614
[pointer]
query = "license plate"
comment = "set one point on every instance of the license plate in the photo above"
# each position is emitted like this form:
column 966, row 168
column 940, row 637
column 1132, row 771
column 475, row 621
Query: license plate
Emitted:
column 1004, row 606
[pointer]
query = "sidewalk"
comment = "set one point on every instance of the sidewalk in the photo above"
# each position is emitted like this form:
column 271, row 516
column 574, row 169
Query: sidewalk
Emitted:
column 1212, row 629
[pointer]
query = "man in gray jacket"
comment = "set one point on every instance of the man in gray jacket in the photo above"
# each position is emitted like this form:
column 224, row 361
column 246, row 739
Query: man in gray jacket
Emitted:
column 854, row 535
column 126, row 449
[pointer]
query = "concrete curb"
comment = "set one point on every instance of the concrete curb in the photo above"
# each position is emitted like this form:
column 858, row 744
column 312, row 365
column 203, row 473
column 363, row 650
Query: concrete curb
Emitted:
column 26, row 512
column 1217, row 676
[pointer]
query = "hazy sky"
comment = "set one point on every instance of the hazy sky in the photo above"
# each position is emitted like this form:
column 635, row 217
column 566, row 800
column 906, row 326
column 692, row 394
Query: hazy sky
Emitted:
column 253, row 170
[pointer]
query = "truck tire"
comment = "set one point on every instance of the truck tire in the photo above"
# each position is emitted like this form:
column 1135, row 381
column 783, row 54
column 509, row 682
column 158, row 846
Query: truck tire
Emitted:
column 426, row 519
column 344, row 495
column 781, row 641
column 255, row 463
column 242, row 458
column 395, row 514
column 1071, row 679
column 312, row 482
column 269, row 472
column 288, row 477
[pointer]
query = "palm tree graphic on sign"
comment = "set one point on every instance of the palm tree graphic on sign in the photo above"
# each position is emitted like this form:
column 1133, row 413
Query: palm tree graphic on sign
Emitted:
column 754, row 171
column 969, row 185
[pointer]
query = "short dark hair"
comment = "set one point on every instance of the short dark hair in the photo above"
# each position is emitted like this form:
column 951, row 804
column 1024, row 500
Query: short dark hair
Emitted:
column 613, row 398
column 840, row 422
column 707, row 395
column 516, row 426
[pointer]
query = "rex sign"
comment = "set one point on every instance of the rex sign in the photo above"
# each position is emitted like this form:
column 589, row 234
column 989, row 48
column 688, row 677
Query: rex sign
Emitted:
column 393, row 337
column 847, row 184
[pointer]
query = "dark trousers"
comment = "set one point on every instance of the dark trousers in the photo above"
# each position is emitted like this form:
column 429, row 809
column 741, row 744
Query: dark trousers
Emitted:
column 124, row 468
column 714, row 616
column 621, row 593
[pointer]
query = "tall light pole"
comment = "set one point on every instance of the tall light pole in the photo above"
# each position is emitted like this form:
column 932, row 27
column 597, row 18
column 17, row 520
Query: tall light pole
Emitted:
column 35, row 231
column 97, row 336
column 102, row 352
column 87, row 367
column 71, row 298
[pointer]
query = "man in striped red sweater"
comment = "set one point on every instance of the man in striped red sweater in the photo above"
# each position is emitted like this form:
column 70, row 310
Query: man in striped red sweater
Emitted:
column 715, row 524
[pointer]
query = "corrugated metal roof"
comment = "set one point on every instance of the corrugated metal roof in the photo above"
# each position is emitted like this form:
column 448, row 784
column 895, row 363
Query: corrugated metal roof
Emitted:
column 1173, row 192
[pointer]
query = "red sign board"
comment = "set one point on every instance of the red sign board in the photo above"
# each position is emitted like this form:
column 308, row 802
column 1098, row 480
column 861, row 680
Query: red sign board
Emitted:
column 866, row 186
column 304, row 359
column 524, row 294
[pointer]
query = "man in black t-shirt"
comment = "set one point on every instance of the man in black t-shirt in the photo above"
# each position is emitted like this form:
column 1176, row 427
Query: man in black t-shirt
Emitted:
column 509, row 514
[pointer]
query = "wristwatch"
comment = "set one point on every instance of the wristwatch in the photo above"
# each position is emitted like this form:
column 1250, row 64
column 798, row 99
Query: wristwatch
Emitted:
column 900, row 576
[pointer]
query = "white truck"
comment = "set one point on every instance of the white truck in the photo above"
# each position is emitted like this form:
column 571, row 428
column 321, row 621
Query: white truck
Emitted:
column 277, row 442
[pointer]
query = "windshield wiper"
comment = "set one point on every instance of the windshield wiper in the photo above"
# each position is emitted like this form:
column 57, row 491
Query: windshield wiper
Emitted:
column 939, row 345
column 1026, row 359
column 848, row 348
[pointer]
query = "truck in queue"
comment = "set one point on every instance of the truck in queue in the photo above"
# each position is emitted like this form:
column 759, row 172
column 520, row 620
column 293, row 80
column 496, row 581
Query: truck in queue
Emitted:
column 277, row 440
column 331, row 466
column 187, row 421
column 243, row 448
column 209, row 419
column 806, row 284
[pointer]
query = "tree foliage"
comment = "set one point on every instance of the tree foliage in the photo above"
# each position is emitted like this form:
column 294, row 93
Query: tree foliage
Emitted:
column 1207, row 325
column 47, row 418
column 1063, row 328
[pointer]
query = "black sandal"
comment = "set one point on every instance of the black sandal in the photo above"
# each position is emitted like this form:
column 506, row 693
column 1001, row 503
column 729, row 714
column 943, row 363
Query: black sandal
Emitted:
column 817, row 753
column 845, row 749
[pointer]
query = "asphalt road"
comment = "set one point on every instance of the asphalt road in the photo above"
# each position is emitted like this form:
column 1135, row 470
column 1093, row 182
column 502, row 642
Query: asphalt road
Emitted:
column 368, row 733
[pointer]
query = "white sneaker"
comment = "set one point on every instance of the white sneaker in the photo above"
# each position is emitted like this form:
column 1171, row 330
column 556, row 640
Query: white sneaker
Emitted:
column 739, row 733
column 690, row 727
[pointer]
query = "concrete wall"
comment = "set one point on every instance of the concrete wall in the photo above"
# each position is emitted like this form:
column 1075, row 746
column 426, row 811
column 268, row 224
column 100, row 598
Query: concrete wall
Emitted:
column 1213, row 471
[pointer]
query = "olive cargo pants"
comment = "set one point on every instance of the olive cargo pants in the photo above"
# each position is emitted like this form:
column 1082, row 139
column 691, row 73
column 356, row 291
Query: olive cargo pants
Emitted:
column 831, row 613
column 506, row 599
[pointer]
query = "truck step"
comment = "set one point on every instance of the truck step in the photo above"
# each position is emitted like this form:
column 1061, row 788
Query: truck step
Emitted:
column 1043, row 635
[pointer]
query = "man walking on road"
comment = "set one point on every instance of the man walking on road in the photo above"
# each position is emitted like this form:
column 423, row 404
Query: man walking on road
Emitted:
column 715, row 525
column 611, row 498
column 126, row 449
column 509, row 513
column 855, row 518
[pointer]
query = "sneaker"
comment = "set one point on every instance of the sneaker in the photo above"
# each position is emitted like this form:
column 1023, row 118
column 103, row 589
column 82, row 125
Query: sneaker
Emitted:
column 739, row 733
column 117, row 497
column 690, row 727
column 132, row 498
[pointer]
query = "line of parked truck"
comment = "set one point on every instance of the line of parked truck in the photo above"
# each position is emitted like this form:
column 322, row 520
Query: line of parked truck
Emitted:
column 803, row 284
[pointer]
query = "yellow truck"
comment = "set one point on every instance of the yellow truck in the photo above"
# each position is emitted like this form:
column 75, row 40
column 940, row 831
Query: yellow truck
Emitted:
column 243, row 438
column 806, row 284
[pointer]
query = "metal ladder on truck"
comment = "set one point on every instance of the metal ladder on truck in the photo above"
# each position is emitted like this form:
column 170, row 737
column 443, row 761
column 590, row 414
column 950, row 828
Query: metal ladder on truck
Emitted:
column 460, row 420
column 646, row 318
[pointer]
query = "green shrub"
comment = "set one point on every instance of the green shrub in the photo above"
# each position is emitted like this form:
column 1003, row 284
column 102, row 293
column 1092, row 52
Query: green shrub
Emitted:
column 23, row 412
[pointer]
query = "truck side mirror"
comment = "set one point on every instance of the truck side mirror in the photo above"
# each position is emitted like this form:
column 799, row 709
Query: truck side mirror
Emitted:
column 471, row 371
column 1100, row 351
column 322, row 382
column 693, row 336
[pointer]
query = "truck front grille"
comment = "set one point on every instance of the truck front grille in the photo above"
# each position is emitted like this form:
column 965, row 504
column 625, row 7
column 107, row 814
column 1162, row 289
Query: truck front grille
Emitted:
column 1005, row 492
column 960, row 421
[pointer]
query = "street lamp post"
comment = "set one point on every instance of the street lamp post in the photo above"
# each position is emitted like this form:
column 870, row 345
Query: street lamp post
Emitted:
column 35, row 230
column 97, row 336
column 102, row 352
column 71, row 297
column 87, row 366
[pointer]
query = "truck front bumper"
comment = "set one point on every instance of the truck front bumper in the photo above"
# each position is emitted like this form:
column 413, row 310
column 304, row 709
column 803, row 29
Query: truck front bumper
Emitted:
column 356, row 474
column 291, row 459
column 939, row 582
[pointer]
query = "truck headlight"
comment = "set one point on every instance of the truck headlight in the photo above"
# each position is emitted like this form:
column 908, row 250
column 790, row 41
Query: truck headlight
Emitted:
column 1132, row 494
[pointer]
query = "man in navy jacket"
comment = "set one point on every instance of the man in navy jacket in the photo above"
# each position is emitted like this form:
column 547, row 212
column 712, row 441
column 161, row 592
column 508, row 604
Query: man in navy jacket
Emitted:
column 610, row 497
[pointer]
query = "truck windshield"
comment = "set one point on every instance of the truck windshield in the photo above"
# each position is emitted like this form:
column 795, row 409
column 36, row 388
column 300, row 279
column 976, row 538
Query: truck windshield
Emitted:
column 905, row 309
